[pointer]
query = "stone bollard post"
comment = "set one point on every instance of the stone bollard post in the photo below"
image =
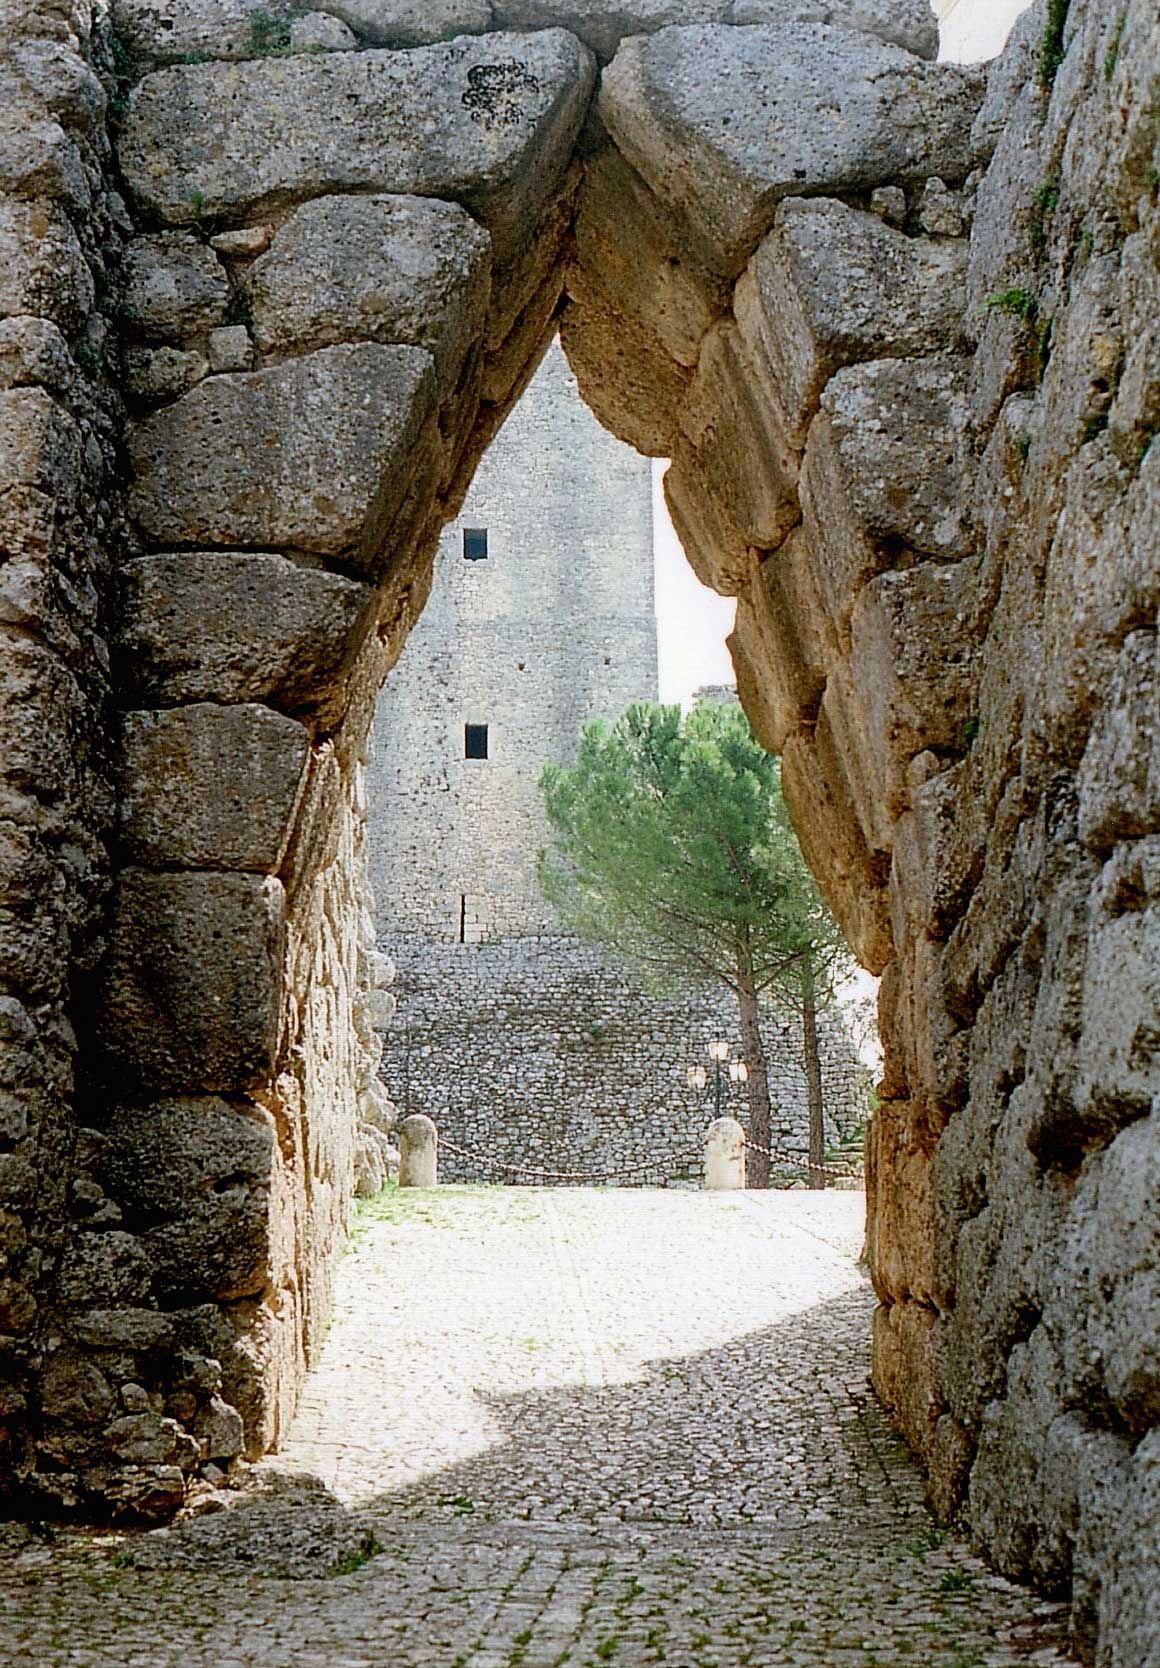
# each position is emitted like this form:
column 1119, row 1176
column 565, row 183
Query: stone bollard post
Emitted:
column 725, row 1154
column 418, row 1152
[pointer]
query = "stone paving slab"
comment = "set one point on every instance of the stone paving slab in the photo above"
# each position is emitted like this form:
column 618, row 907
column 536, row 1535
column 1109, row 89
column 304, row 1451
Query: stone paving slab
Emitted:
column 556, row 1428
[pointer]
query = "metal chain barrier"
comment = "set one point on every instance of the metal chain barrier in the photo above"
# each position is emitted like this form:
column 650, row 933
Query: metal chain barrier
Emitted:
column 640, row 1167
column 794, row 1161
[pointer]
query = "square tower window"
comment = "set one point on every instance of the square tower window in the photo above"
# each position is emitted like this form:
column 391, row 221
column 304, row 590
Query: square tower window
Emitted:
column 475, row 544
column 475, row 741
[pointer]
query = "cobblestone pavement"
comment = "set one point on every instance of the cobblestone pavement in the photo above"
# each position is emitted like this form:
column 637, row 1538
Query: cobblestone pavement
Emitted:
column 559, row 1428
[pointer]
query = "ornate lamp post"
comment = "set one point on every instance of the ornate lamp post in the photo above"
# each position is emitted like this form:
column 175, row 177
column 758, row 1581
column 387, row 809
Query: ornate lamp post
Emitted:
column 696, row 1076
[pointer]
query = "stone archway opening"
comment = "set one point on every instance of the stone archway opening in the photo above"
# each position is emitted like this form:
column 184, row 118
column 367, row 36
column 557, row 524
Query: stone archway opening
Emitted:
column 334, row 270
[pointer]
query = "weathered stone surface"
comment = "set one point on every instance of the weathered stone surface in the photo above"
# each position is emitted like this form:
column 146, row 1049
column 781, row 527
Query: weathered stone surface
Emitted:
column 318, row 32
column 191, row 982
column 163, row 373
column 42, row 268
column 718, row 552
column 201, row 141
column 1130, row 1612
column 781, row 645
column 230, row 348
column 905, row 1374
column 602, row 24
column 104, row 1267
column 335, row 433
column 831, row 286
column 900, row 1226
column 645, row 257
column 884, row 474
column 414, row 22
column 625, row 375
column 743, row 456
column 204, row 1174
column 171, row 285
column 1119, row 778
column 236, row 627
column 698, row 112
column 208, row 786
column 385, row 269
column 165, row 31
column 1120, row 1048
column 905, row 23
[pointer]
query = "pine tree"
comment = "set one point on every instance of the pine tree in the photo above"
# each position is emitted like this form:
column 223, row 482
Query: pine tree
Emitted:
column 673, row 848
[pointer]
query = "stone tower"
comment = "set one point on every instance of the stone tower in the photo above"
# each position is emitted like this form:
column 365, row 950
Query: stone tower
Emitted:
column 541, row 617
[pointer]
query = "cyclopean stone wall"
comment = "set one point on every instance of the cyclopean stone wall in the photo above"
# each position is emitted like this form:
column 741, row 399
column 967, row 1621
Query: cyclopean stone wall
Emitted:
column 899, row 338
column 538, row 1051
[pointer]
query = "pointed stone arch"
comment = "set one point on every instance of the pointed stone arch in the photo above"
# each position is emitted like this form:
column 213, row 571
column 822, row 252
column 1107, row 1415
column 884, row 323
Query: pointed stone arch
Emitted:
column 335, row 261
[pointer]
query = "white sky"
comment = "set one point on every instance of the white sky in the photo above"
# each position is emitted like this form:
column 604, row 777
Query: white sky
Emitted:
column 692, row 621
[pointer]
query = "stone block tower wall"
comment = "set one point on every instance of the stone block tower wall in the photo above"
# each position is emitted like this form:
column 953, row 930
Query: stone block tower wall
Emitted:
column 553, row 627
column 524, row 1046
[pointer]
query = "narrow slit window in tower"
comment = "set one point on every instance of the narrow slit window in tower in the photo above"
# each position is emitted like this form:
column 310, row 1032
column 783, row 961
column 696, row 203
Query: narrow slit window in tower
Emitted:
column 463, row 917
column 475, row 741
column 475, row 544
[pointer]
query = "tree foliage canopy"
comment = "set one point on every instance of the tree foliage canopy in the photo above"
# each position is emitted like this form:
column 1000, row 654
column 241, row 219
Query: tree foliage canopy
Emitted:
column 674, row 848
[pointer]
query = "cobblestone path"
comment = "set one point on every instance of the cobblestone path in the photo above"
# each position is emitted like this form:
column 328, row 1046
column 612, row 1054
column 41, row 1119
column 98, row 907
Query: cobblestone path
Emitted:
column 559, row 1428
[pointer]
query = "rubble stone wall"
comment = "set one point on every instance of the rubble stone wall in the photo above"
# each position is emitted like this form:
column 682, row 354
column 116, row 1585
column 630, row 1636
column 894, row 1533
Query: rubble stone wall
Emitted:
column 897, row 331
column 537, row 1051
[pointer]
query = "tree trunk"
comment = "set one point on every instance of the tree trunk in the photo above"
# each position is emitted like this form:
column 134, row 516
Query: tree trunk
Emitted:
column 813, row 1065
column 757, row 1085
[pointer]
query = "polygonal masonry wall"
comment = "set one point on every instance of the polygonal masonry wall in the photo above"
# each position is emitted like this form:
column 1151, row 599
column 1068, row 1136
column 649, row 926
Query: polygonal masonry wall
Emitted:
column 305, row 285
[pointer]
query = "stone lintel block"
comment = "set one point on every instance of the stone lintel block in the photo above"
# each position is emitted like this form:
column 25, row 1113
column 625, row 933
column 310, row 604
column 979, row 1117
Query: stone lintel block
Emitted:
column 487, row 122
column 407, row 270
column 883, row 480
column 701, row 114
column 315, row 455
column 826, row 823
column 737, row 434
column 833, row 286
column 192, row 981
column 207, row 786
column 237, row 626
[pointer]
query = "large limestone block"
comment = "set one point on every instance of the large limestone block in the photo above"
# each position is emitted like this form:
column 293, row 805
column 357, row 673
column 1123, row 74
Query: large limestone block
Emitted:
column 905, row 1371
column 488, row 122
column 380, row 269
column 723, row 123
column 603, row 24
column 781, row 645
column 172, row 285
column 1119, row 779
column 205, row 1175
column 1130, row 1613
column 207, row 786
column 413, row 22
column 626, row 377
column 316, row 454
column 236, row 627
column 645, row 257
column 900, row 1221
column 833, row 286
column 1120, row 1040
column 744, row 458
column 190, row 986
column 825, row 820
column 913, row 662
column 905, row 23
column 42, row 268
column 883, row 478
column 718, row 552
column 40, row 445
